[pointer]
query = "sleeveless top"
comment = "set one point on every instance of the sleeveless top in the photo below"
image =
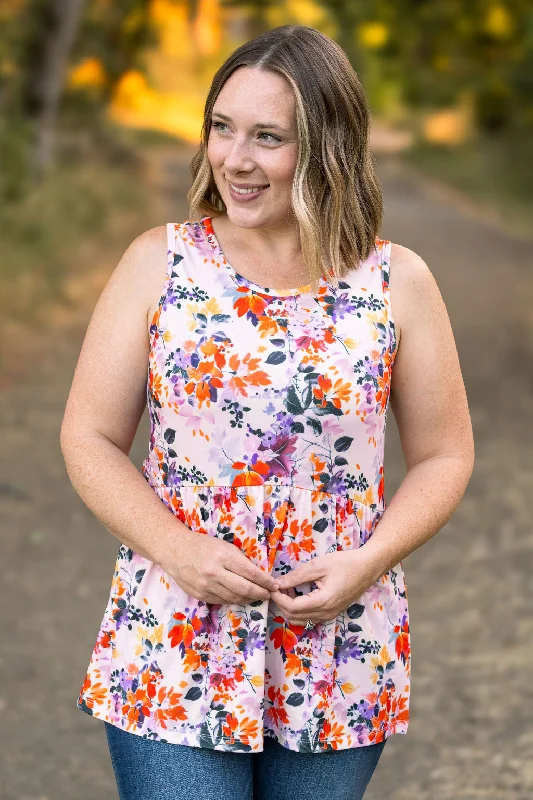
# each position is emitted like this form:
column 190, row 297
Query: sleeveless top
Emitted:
column 268, row 411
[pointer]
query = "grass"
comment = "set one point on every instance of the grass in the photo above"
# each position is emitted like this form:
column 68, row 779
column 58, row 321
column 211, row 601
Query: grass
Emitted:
column 492, row 171
column 49, row 229
column 61, row 237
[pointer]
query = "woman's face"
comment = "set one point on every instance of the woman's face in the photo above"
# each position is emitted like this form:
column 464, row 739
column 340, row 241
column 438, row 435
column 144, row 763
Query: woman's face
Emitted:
column 253, row 141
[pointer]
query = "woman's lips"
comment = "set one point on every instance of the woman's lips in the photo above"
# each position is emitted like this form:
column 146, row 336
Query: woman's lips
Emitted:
column 244, row 198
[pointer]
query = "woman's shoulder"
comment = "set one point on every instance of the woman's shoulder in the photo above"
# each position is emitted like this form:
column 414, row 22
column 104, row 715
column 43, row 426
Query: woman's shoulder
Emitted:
column 407, row 261
column 150, row 242
column 412, row 285
column 143, row 265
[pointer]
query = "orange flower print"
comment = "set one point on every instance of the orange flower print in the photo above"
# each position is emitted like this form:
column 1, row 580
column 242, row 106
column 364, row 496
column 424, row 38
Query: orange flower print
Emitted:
column 332, row 735
column 183, row 629
column 250, row 475
column 282, row 635
column 250, row 302
column 155, row 384
column 204, row 381
column 301, row 539
column 335, row 393
column 245, row 373
column 276, row 711
column 402, row 646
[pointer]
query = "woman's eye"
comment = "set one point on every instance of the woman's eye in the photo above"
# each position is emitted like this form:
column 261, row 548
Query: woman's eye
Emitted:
column 275, row 138
column 271, row 135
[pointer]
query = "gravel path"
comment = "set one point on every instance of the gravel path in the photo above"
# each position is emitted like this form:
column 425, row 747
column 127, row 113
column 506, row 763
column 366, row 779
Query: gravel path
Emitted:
column 470, row 733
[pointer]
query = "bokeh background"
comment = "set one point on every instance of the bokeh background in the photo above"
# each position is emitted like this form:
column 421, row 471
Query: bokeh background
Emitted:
column 101, row 105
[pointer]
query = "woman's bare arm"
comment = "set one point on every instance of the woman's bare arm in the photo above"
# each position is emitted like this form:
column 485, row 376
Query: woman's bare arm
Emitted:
column 429, row 403
column 107, row 399
column 103, row 411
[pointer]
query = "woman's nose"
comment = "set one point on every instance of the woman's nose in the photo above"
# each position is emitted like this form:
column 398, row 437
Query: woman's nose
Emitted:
column 238, row 156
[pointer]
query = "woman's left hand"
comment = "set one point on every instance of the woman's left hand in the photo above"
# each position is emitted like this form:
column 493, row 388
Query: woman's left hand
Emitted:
column 341, row 578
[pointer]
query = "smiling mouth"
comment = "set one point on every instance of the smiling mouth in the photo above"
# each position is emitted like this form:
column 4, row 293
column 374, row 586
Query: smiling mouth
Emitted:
column 251, row 190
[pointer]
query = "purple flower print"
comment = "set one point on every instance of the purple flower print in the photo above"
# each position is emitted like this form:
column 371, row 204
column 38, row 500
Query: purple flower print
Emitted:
column 342, row 306
column 255, row 640
column 348, row 649
column 337, row 483
column 174, row 478
column 365, row 710
column 125, row 681
column 278, row 447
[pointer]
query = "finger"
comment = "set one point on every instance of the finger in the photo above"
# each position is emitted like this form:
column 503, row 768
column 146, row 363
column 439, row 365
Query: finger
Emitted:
column 289, row 592
column 302, row 574
column 285, row 601
column 245, row 568
column 243, row 588
column 307, row 603
column 282, row 597
column 231, row 597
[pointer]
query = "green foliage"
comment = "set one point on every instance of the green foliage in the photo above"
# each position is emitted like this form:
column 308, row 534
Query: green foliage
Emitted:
column 45, row 229
column 118, row 35
column 15, row 137
column 436, row 50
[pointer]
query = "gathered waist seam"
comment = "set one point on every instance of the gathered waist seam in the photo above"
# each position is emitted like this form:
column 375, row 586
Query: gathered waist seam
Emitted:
column 345, row 495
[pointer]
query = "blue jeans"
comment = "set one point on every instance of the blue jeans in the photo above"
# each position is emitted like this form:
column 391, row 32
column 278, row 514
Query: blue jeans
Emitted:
column 152, row 770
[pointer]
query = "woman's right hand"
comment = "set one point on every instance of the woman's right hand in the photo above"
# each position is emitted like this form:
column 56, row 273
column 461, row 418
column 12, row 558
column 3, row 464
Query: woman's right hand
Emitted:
column 216, row 571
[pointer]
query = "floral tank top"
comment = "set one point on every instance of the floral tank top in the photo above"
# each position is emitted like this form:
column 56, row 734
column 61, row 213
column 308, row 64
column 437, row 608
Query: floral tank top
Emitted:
column 268, row 411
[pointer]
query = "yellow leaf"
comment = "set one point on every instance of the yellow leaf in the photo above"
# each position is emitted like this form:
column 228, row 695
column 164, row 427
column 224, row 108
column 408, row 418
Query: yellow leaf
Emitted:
column 351, row 344
column 89, row 72
column 498, row 22
column 373, row 35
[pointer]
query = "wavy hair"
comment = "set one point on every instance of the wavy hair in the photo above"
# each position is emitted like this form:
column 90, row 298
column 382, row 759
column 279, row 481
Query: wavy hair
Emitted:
column 336, row 197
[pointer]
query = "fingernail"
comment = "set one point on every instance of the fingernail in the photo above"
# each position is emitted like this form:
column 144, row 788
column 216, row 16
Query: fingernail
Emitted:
column 276, row 586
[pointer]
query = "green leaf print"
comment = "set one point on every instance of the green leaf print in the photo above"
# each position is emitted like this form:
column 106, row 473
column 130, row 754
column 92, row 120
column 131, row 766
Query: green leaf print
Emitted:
column 355, row 611
column 315, row 424
column 277, row 357
column 169, row 436
column 194, row 693
column 295, row 699
column 204, row 737
column 343, row 443
column 293, row 402
column 340, row 461
column 308, row 396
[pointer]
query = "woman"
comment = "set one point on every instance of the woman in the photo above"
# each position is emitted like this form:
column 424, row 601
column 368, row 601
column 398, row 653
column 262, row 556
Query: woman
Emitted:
column 258, row 613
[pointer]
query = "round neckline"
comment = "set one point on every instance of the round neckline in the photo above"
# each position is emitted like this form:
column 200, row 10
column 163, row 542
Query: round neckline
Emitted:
column 240, row 279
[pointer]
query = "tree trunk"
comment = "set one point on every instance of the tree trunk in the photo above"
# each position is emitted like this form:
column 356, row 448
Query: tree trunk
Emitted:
column 64, row 23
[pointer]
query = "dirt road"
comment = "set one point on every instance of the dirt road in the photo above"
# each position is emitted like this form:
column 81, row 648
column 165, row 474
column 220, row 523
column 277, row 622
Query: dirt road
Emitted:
column 470, row 733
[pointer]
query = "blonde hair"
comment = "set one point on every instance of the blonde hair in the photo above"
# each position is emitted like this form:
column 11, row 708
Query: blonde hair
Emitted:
column 336, row 197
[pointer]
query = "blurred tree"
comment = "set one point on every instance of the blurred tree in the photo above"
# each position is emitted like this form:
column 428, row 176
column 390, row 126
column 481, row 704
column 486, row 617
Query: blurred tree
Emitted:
column 347, row 17
column 52, row 29
column 439, row 50
column 117, row 33
column 257, row 14
column 36, row 44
